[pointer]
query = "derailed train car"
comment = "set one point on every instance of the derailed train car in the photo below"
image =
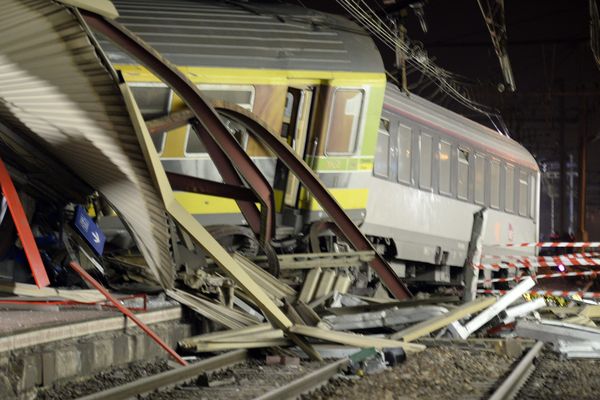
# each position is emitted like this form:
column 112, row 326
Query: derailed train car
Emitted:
column 410, row 173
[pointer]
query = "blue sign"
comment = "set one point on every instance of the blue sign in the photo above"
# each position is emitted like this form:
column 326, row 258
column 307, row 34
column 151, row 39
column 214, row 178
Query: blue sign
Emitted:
column 88, row 229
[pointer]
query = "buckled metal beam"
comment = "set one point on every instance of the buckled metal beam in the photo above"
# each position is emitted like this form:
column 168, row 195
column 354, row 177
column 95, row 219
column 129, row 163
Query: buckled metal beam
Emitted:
column 223, row 164
column 193, row 184
column 23, row 229
column 318, row 190
column 208, row 119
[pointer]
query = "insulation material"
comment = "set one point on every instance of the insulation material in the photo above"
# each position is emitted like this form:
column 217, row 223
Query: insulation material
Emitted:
column 55, row 90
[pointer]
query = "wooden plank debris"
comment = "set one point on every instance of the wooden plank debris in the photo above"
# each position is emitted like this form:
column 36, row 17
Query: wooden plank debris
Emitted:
column 352, row 339
column 426, row 327
column 222, row 314
column 24, row 289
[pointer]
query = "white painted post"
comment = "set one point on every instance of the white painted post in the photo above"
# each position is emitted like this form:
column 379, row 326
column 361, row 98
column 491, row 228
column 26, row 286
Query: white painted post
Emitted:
column 493, row 310
column 510, row 314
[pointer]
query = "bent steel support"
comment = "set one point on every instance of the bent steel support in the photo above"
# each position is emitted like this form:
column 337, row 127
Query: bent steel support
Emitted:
column 193, row 184
column 318, row 190
column 223, row 164
column 230, row 176
column 15, row 207
column 206, row 116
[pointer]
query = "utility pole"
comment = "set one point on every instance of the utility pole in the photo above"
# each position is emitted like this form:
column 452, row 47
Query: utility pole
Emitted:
column 562, row 181
column 583, row 142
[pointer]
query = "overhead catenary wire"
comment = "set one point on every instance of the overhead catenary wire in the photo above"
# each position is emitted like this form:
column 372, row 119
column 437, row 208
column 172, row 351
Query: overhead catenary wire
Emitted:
column 417, row 57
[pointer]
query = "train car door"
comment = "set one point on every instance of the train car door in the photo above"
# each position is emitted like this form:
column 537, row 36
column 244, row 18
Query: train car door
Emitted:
column 296, row 118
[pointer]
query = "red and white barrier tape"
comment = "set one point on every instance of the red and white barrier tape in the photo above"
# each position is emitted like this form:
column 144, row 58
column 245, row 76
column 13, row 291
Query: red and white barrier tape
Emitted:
column 537, row 258
column 557, row 293
column 551, row 244
column 540, row 276
column 550, row 261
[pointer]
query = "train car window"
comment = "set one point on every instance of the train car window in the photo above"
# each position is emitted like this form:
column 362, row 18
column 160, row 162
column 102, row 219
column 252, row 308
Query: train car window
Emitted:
column 425, row 159
column 381, row 166
column 444, row 151
column 344, row 122
column 523, row 192
column 241, row 95
column 463, row 174
column 287, row 114
column 405, row 153
column 495, row 184
column 153, row 101
column 509, row 189
column 479, row 179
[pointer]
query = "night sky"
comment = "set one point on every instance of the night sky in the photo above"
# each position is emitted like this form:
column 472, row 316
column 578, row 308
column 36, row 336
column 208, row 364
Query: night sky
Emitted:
column 557, row 101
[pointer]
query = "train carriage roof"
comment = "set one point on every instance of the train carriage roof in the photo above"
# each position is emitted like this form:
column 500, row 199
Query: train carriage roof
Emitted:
column 246, row 35
column 462, row 129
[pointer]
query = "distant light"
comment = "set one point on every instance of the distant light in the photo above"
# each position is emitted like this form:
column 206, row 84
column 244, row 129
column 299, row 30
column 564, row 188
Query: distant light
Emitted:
column 561, row 267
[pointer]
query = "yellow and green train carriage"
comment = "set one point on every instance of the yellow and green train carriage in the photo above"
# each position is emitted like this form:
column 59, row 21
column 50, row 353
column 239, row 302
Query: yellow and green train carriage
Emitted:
column 316, row 79
column 409, row 172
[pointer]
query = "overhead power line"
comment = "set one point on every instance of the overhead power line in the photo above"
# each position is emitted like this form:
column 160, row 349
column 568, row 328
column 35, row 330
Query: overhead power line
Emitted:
column 447, row 82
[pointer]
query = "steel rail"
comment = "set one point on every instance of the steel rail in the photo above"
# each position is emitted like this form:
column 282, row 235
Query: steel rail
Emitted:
column 169, row 378
column 204, row 113
column 306, row 383
column 309, row 179
column 511, row 386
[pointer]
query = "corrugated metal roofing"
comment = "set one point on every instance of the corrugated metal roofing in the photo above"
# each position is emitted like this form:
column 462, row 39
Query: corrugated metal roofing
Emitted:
column 55, row 90
column 219, row 34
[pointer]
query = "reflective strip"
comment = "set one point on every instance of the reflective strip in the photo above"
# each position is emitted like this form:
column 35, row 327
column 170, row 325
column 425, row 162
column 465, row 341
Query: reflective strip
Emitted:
column 551, row 244
column 553, row 262
column 557, row 293
column 541, row 276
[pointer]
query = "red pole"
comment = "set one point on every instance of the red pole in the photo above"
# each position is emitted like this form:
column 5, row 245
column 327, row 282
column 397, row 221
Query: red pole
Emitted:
column 77, row 268
column 23, row 229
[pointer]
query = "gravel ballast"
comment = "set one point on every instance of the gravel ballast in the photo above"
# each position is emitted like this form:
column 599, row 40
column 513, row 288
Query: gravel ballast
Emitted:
column 438, row 373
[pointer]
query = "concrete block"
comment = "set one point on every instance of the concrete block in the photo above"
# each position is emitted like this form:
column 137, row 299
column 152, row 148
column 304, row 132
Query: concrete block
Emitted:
column 179, row 332
column 290, row 361
column 86, row 350
column 6, row 389
column 31, row 372
column 152, row 349
column 103, row 354
column 139, row 344
column 95, row 355
column 273, row 360
column 68, row 362
column 123, row 349
column 49, row 374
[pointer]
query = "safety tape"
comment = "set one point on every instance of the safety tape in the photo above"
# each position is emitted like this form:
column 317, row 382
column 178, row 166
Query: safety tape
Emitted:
column 538, row 258
column 551, row 244
column 557, row 293
column 540, row 276
column 549, row 262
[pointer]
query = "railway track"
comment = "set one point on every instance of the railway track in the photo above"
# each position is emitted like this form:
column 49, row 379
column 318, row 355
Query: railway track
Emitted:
column 512, row 384
column 230, row 376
